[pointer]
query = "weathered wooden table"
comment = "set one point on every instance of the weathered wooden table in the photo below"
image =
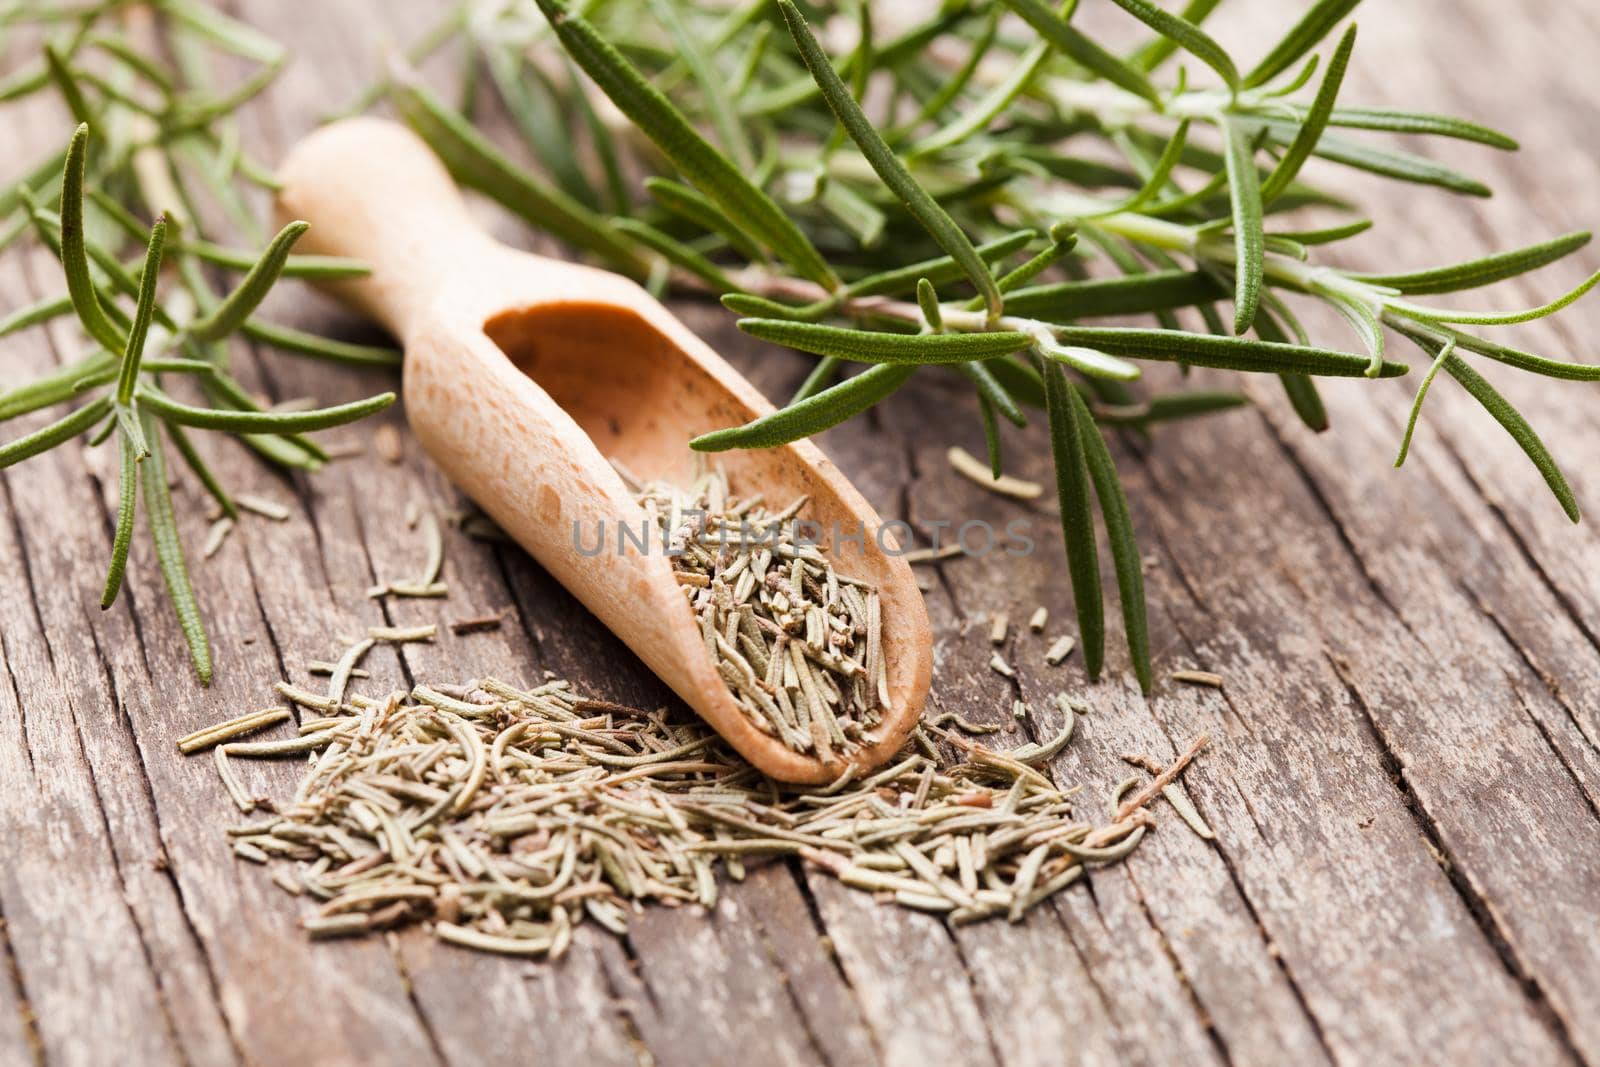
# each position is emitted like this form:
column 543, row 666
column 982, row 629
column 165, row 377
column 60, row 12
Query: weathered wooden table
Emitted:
column 1404, row 776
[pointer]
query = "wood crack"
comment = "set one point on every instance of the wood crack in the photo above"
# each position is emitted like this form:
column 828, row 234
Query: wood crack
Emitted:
column 1058, row 906
column 16, row 697
column 169, row 1023
column 624, row 1007
column 977, row 994
column 1235, row 879
column 25, row 561
column 1549, row 740
column 163, row 864
column 630, row 952
column 1477, row 906
column 1325, row 506
column 1207, row 1020
column 1231, row 867
column 797, row 873
column 1550, row 686
column 25, row 1014
column 392, row 942
column 807, row 1024
column 1561, row 597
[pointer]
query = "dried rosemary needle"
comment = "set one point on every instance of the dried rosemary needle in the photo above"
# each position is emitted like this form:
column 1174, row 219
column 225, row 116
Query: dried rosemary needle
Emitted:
column 798, row 644
column 503, row 817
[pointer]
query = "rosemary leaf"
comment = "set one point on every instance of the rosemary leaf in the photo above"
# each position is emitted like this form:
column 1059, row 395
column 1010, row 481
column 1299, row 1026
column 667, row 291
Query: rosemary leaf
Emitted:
column 311, row 268
column 991, row 391
column 1364, row 321
column 1018, row 379
column 1061, row 243
column 938, row 271
column 1187, row 36
column 1517, row 426
column 1316, row 121
column 1511, row 357
column 35, row 313
column 820, row 378
column 1299, row 388
column 606, row 150
column 947, row 94
column 1171, row 406
column 74, row 252
column 24, row 81
column 1091, row 363
column 47, row 437
column 1444, row 352
column 476, row 162
column 991, row 436
column 124, row 52
column 1330, row 234
column 224, row 392
column 202, row 470
column 259, row 422
column 1120, row 536
column 1080, row 49
column 233, row 35
column 1244, row 192
column 810, row 416
column 1391, row 121
column 940, row 226
column 1312, row 27
column 715, row 175
column 1159, row 50
column 1161, row 173
column 1133, row 295
column 127, row 498
column 1224, row 353
column 66, row 83
column 1390, row 164
column 1306, row 401
column 126, row 416
column 724, row 119
column 762, row 308
column 696, row 207
column 56, row 387
column 977, row 117
column 1494, row 318
column 870, row 346
column 1077, row 521
column 231, row 314
column 128, row 378
column 676, row 252
column 307, row 344
column 928, row 302
column 1480, row 272
column 169, row 554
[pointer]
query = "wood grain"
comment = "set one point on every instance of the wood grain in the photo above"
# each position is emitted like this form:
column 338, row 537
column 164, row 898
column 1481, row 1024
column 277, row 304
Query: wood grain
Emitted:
column 1404, row 779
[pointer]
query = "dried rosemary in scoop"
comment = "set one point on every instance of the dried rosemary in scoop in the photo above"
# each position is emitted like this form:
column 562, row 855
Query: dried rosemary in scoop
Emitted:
column 798, row 644
column 503, row 817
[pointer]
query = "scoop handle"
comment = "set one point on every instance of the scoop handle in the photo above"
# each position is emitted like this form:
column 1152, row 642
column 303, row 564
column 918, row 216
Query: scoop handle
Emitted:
column 372, row 190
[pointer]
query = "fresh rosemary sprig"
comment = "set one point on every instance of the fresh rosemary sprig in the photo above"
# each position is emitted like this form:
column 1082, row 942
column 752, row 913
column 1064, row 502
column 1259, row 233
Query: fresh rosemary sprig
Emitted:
column 880, row 228
column 166, row 143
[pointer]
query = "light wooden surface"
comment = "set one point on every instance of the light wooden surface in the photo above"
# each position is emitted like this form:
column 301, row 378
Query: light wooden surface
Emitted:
column 1404, row 778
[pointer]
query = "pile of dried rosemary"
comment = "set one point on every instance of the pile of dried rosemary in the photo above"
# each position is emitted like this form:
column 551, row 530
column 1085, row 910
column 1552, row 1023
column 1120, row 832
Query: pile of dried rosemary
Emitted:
column 798, row 644
column 504, row 816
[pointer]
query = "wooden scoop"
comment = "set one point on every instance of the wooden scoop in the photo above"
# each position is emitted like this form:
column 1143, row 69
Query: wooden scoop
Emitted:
column 524, row 376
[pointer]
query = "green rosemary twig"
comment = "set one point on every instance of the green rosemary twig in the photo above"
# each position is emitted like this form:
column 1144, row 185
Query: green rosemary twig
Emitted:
column 972, row 145
column 166, row 144
column 134, row 401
